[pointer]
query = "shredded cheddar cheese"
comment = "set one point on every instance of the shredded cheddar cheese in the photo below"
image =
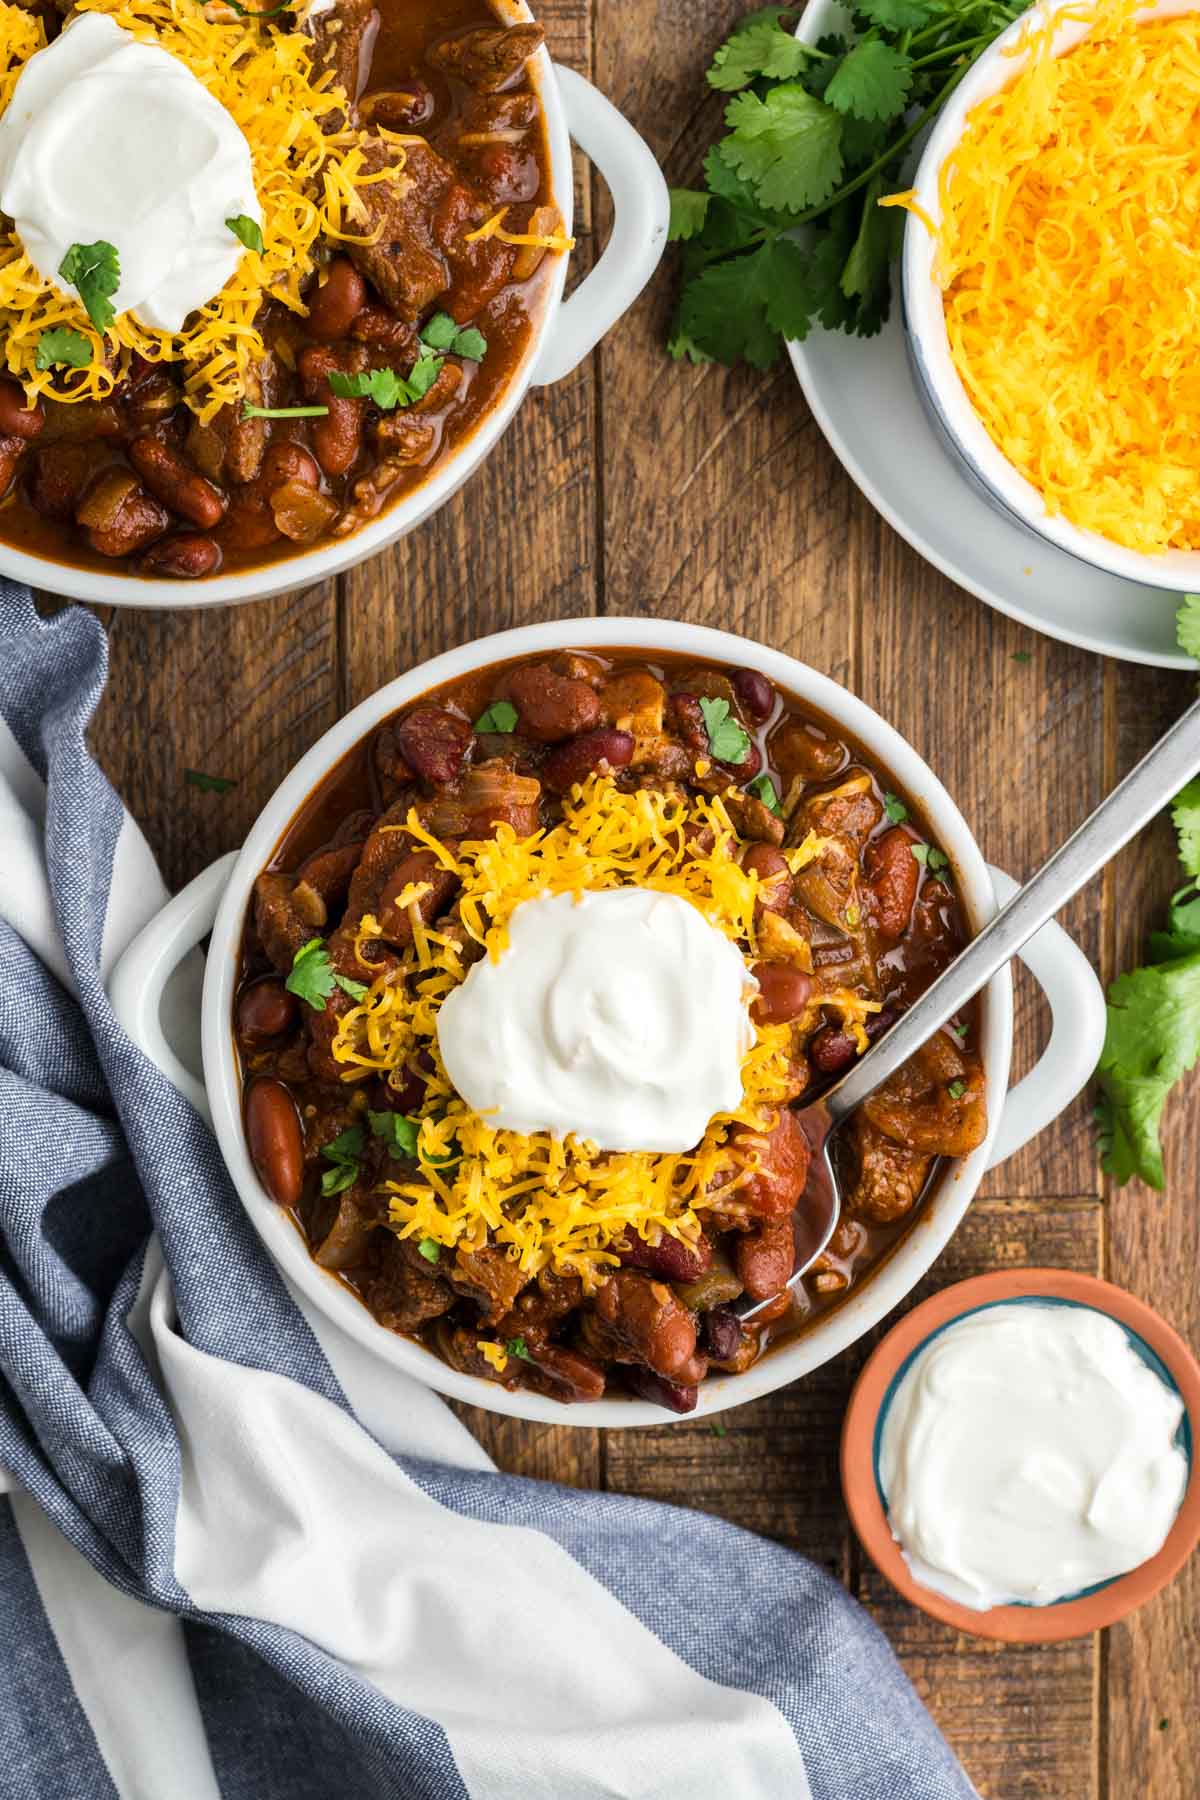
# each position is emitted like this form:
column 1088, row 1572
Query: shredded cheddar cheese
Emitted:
column 562, row 1202
column 1068, row 258
column 307, row 179
column 537, row 240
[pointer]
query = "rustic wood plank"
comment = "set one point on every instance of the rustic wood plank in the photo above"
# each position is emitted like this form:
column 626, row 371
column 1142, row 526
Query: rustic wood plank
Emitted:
column 239, row 692
column 1153, row 1660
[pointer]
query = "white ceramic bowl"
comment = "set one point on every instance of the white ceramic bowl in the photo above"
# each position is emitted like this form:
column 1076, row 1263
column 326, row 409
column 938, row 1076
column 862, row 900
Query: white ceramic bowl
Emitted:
column 564, row 334
column 217, row 900
column 929, row 345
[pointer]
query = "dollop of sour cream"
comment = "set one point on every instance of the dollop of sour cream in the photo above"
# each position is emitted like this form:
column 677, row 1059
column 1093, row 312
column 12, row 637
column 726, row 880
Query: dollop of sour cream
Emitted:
column 1029, row 1453
column 621, row 1016
column 107, row 139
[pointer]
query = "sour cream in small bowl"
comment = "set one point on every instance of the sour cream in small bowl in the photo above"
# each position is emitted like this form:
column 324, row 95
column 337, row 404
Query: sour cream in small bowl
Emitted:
column 1019, row 1455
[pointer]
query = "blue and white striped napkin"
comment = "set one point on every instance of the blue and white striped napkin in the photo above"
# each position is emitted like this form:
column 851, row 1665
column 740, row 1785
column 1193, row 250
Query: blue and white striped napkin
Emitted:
column 238, row 1560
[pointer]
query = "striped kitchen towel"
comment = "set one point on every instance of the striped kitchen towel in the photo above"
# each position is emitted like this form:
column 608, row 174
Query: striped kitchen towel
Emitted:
column 238, row 1560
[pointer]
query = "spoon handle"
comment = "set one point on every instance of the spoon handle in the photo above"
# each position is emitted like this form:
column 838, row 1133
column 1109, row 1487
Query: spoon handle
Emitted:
column 1143, row 793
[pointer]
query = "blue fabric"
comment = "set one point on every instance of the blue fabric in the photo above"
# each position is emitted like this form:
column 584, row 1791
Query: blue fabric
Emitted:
column 96, row 1148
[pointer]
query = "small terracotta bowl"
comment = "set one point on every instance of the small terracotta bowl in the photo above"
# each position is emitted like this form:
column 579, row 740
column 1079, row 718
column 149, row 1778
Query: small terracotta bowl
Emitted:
column 1154, row 1340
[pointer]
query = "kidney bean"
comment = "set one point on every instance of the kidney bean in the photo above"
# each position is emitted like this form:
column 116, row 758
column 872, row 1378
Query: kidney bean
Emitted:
column 722, row 1333
column 250, row 523
column 11, row 451
column 892, row 875
column 783, row 1153
column 433, row 743
column 688, row 722
column 336, row 438
column 774, row 876
column 755, row 693
column 672, row 1394
column 172, row 479
column 265, row 1009
column 565, row 1374
column 575, row 760
column 749, row 766
column 831, row 1050
column 118, row 515
column 765, row 1258
column 275, row 1139
column 334, row 305
column 17, row 417
column 60, row 474
column 422, row 866
column 407, row 1094
column 669, row 1260
column 783, row 992
column 550, row 707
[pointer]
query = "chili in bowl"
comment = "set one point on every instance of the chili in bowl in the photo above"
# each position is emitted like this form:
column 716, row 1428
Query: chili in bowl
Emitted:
column 378, row 1167
column 193, row 414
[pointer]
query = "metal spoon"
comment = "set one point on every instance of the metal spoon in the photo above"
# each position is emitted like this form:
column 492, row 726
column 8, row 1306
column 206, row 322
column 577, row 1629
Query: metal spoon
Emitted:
column 1143, row 793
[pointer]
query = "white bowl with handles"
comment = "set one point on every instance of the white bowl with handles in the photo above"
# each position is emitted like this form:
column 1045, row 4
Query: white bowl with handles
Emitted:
column 214, row 905
column 941, row 386
column 565, row 332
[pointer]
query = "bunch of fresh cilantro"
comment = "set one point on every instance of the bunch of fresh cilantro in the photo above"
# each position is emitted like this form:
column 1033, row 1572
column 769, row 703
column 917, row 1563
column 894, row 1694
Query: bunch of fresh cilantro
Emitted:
column 817, row 136
column 1153, row 1033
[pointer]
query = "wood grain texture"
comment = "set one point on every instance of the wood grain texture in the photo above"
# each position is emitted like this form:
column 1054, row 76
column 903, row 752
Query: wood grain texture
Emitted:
column 638, row 486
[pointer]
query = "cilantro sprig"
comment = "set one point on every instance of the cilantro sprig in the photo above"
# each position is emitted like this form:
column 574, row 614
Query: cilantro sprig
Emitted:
column 94, row 271
column 1153, row 1035
column 386, row 387
column 313, row 976
column 816, row 136
column 728, row 741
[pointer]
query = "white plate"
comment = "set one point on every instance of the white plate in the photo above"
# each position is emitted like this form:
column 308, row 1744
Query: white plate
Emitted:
column 863, row 395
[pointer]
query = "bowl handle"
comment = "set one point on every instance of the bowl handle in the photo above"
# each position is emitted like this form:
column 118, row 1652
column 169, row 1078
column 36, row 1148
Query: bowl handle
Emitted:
column 1070, row 984
column 136, row 985
column 641, row 214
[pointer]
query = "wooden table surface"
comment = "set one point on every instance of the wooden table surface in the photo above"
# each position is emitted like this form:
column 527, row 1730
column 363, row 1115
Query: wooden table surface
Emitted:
column 640, row 487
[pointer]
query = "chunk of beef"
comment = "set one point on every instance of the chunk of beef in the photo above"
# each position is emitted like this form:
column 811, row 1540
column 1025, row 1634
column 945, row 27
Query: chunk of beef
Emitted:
column 935, row 1103
column 889, row 1176
column 490, row 1278
column 342, row 39
column 489, row 58
column 406, row 266
column 401, row 1296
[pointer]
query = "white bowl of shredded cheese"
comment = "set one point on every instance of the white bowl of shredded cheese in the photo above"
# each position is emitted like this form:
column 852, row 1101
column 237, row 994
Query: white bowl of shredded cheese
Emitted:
column 1052, row 315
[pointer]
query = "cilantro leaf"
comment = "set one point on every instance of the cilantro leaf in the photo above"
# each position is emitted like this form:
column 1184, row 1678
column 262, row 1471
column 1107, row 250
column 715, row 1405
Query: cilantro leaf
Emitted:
column 1187, row 626
column 398, row 1133
column 248, row 231
column 1153, row 1038
column 896, row 15
column 865, row 275
column 895, row 808
column 471, row 345
column 787, row 146
column 956, row 1089
column 873, row 82
column 94, row 271
column 312, row 978
column 760, row 47
column 440, row 332
column 422, row 376
column 764, row 789
column 742, row 307
column 357, row 990
column 500, row 717
column 62, row 348
column 727, row 740
column 931, row 858
column 430, row 1249
column 208, row 784
column 518, row 1348
column 443, row 333
column 1185, row 815
column 689, row 211
column 344, row 1153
